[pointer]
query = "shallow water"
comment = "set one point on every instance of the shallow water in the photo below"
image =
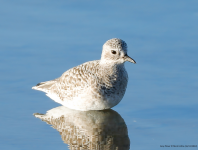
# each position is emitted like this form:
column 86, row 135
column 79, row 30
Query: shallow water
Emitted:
column 41, row 40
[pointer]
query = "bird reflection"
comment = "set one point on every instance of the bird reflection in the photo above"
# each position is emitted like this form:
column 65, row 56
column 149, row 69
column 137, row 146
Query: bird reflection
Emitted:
column 88, row 130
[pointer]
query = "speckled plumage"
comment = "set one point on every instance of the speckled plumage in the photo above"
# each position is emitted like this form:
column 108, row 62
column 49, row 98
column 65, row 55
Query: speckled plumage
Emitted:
column 94, row 85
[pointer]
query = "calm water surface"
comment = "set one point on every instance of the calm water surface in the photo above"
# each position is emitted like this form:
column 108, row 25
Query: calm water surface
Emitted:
column 42, row 39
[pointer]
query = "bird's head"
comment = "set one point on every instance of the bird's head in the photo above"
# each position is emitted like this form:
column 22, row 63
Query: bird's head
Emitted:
column 115, row 50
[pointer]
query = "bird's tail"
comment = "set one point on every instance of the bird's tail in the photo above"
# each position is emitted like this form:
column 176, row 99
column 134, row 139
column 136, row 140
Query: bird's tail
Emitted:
column 44, row 86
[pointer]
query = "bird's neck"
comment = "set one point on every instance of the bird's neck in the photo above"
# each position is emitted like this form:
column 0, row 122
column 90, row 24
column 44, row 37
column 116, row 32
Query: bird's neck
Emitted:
column 111, row 67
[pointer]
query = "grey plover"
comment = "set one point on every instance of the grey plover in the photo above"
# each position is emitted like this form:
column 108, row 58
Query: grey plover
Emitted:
column 94, row 85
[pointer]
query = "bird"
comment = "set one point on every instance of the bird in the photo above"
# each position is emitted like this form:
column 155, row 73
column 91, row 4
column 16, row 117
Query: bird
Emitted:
column 93, row 85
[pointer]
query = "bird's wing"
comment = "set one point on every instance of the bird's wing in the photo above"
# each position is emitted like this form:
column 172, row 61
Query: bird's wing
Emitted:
column 74, row 81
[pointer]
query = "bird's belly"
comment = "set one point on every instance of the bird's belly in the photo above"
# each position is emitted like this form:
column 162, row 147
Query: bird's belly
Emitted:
column 94, row 99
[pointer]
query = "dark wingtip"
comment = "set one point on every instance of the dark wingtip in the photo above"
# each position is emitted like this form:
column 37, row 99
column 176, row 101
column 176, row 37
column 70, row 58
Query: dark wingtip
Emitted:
column 37, row 114
column 39, row 84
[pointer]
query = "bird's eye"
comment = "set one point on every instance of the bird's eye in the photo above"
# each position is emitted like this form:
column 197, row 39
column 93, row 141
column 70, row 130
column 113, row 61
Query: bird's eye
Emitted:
column 113, row 52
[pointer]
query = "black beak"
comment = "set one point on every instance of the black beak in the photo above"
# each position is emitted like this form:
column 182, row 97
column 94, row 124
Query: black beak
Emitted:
column 127, row 58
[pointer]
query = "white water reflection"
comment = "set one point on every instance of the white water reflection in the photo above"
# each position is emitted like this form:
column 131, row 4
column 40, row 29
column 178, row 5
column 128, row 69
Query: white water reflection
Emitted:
column 81, row 130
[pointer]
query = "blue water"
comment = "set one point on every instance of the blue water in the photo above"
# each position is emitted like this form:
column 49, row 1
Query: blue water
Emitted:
column 42, row 39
